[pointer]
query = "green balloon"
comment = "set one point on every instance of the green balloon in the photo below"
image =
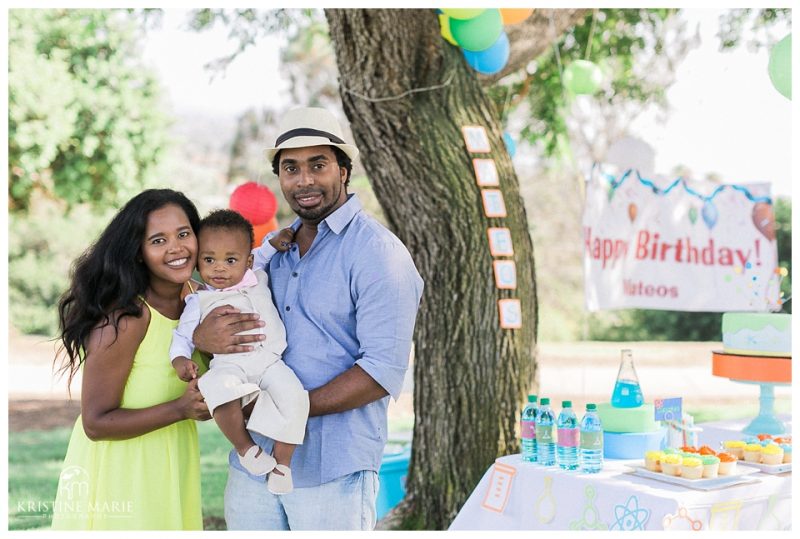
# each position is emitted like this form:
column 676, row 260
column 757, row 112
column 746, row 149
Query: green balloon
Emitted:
column 780, row 66
column 479, row 33
column 582, row 77
column 463, row 13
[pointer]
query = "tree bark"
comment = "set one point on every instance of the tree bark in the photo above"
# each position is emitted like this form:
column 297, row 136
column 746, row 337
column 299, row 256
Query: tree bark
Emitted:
column 406, row 93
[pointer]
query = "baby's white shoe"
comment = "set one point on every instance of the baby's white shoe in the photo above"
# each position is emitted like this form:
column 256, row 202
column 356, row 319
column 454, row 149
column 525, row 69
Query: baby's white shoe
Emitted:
column 280, row 484
column 257, row 465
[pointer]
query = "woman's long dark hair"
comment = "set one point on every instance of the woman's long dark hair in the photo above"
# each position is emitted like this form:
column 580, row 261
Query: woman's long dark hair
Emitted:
column 109, row 276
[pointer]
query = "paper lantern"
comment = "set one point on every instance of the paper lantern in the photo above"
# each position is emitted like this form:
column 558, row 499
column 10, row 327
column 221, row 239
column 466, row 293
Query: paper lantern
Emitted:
column 444, row 24
column 513, row 16
column 477, row 34
column 491, row 60
column 260, row 231
column 255, row 202
column 582, row 77
column 463, row 13
column 780, row 66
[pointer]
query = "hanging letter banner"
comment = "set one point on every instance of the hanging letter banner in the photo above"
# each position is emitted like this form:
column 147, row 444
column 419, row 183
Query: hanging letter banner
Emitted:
column 678, row 245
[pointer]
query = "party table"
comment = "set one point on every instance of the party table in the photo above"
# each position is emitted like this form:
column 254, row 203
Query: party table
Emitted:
column 517, row 495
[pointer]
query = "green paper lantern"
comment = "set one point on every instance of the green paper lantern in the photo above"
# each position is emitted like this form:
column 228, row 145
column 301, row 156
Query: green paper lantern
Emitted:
column 582, row 77
column 463, row 13
column 780, row 66
column 479, row 33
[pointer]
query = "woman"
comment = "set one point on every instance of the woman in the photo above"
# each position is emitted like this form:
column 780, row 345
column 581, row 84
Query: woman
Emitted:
column 133, row 459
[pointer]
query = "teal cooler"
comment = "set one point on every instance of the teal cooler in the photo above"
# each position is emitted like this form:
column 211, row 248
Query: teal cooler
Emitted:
column 392, row 477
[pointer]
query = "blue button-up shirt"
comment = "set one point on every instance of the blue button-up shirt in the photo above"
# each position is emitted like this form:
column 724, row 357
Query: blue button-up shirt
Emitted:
column 352, row 299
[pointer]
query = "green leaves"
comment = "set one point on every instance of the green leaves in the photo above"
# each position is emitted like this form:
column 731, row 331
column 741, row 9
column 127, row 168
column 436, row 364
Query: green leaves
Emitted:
column 84, row 117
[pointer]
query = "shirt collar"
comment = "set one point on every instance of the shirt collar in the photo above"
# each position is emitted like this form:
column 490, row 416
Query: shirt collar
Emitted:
column 341, row 217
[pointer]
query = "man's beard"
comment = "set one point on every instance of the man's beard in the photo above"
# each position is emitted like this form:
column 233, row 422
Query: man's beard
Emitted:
column 319, row 213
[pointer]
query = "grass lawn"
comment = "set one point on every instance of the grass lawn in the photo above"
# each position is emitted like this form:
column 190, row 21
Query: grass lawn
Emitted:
column 35, row 459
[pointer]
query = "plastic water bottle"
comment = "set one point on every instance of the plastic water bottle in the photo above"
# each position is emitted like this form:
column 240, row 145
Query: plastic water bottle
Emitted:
column 591, row 453
column 545, row 444
column 527, row 428
column 567, row 450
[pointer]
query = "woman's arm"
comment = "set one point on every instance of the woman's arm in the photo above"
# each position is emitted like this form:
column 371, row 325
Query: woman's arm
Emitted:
column 106, row 368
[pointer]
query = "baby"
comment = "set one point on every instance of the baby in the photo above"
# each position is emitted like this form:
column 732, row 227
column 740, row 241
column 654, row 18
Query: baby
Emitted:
column 234, row 380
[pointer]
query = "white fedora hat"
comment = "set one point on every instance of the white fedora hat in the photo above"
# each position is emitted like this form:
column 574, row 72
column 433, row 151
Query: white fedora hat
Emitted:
column 309, row 126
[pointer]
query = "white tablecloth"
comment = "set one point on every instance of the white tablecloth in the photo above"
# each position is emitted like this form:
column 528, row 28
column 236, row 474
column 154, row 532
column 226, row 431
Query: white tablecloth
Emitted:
column 516, row 495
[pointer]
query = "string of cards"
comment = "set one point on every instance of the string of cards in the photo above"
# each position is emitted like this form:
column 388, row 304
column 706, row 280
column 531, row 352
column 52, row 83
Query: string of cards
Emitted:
column 505, row 271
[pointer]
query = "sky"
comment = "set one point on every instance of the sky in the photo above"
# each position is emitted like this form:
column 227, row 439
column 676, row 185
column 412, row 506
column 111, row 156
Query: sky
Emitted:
column 725, row 118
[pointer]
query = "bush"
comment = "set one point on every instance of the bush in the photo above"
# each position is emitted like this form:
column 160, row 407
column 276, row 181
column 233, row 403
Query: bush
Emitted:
column 41, row 248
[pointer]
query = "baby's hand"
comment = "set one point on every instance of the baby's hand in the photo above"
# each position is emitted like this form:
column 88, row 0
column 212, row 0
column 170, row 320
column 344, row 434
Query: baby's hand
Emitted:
column 185, row 367
column 282, row 239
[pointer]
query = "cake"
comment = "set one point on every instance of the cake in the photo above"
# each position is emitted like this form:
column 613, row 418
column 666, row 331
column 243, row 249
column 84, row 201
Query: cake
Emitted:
column 710, row 466
column 629, row 432
column 727, row 463
column 735, row 448
column 671, row 464
column 757, row 334
column 752, row 453
column 652, row 460
column 772, row 454
column 692, row 468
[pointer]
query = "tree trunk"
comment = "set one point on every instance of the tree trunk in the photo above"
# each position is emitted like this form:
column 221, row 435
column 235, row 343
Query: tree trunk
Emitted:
column 407, row 93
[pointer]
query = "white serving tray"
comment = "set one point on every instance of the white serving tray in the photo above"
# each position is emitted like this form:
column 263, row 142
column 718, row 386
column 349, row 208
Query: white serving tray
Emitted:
column 739, row 476
column 768, row 468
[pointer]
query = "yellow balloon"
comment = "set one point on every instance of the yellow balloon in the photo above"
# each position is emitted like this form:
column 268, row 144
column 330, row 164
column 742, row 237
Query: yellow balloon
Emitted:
column 444, row 23
column 513, row 16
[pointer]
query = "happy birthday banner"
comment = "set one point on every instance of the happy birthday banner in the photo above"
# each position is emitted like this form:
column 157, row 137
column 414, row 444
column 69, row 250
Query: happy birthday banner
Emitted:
column 679, row 245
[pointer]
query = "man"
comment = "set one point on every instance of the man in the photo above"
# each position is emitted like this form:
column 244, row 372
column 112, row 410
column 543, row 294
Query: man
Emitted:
column 348, row 294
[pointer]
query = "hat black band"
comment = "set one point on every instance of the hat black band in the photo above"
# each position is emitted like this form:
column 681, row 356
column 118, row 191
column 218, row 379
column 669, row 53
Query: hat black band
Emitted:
column 307, row 132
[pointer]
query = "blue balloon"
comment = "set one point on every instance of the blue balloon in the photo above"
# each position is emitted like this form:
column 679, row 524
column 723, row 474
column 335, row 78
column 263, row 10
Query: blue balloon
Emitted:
column 491, row 60
column 710, row 214
column 511, row 146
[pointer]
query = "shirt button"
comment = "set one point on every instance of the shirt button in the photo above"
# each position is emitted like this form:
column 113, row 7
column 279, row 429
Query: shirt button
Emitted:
column 294, row 274
column 294, row 248
column 288, row 308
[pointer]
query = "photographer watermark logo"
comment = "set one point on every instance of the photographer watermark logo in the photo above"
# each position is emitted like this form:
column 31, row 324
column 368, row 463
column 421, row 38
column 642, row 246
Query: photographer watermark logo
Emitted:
column 74, row 500
column 73, row 483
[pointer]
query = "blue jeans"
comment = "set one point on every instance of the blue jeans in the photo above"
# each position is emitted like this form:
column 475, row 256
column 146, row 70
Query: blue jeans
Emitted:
column 346, row 503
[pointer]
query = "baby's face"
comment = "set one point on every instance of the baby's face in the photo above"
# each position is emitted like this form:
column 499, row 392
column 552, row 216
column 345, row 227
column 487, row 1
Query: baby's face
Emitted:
column 223, row 256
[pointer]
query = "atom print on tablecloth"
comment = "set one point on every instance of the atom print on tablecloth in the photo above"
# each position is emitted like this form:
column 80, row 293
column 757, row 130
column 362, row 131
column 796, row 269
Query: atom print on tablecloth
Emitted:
column 630, row 517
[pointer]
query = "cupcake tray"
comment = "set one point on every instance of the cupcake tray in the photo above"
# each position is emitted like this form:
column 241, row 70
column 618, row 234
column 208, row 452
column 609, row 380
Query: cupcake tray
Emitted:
column 739, row 476
column 768, row 468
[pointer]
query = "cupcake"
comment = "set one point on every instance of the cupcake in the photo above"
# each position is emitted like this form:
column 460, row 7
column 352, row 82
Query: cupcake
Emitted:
column 772, row 454
column 783, row 440
column 762, row 437
column 727, row 463
column 671, row 464
column 692, row 468
column 752, row 453
column 652, row 460
column 735, row 448
column 670, row 451
column 705, row 450
column 710, row 466
column 787, row 453
column 689, row 449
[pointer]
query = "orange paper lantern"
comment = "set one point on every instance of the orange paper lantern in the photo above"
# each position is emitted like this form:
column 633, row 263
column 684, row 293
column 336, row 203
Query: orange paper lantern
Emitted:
column 262, row 230
column 513, row 16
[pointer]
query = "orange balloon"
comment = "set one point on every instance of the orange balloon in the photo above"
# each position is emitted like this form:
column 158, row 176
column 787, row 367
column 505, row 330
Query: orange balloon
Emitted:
column 262, row 230
column 513, row 16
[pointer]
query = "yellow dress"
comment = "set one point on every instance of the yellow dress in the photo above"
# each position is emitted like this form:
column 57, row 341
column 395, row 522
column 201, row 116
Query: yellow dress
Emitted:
column 150, row 482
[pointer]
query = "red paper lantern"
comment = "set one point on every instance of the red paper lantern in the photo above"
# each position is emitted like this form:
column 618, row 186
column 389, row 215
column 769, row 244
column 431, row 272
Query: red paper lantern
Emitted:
column 255, row 202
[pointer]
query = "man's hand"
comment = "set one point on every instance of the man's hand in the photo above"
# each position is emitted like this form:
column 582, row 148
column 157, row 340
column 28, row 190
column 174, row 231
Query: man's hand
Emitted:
column 185, row 367
column 217, row 333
